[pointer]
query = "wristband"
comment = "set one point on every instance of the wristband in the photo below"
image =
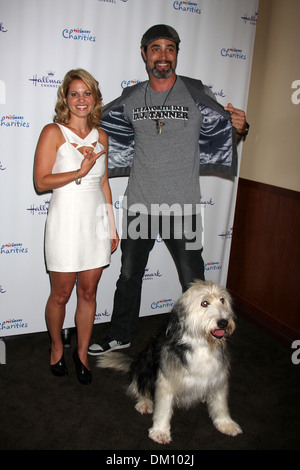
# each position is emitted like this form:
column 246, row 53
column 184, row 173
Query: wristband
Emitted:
column 245, row 132
column 77, row 180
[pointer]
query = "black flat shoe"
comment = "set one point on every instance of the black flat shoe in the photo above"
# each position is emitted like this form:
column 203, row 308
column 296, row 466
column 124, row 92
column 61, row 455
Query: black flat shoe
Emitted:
column 83, row 374
column 59, row 369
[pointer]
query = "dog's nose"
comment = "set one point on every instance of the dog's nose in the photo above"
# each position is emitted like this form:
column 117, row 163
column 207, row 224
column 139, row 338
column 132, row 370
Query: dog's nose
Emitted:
column 222, row 323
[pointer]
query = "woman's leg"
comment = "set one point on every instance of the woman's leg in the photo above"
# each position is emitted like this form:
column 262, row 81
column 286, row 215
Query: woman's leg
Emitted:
column 86, row 308
column 61, row 288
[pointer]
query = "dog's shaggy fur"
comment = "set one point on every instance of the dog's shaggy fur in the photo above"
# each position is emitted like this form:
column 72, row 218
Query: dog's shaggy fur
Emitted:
column 186, row 363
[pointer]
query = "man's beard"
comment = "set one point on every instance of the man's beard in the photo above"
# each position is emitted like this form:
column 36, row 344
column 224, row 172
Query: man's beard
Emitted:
column 161, row 73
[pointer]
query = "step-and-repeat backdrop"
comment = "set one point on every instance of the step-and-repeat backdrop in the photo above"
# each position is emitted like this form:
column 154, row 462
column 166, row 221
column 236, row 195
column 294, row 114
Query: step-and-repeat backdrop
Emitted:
column 39, row 42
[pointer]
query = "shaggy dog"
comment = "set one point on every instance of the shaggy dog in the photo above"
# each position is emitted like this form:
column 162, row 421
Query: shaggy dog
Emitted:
column 185, row 363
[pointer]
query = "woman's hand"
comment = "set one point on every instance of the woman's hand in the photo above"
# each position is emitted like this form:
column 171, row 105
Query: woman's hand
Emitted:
column 89, row 160
column 114, row 241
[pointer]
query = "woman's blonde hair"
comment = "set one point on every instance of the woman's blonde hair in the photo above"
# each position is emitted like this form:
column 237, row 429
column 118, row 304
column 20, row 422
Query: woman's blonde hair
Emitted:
column 62, row 115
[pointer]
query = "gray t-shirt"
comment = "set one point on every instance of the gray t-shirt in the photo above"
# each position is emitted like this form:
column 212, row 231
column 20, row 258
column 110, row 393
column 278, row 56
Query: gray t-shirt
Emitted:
column 165, row 169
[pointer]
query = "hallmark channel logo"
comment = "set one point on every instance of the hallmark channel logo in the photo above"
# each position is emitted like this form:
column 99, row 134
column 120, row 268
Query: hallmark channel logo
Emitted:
column 217, row 93
column 250, row 19
column 206, row 202
column 2, row 290
column 104, row 314
column 150, row 275
column 187, row 6
column 12, row 120
column 45, row 81
column 78, row 34
column 41, row 209
column 226, row 235
column 2, row 28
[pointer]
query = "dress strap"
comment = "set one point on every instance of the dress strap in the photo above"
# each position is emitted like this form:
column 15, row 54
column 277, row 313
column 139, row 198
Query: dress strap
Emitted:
column 77, row 141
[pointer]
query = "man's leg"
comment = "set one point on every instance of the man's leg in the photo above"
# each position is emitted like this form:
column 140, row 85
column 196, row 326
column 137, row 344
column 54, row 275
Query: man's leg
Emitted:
column 127, row 298
column 125, row 315
column 189, row 262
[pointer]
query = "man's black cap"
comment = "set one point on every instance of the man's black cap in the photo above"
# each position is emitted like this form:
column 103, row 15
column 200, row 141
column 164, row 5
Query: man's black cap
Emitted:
column 159, row 31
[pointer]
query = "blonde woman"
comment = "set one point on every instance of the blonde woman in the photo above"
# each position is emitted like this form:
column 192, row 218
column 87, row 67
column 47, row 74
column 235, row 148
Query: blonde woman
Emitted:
column 80, row 235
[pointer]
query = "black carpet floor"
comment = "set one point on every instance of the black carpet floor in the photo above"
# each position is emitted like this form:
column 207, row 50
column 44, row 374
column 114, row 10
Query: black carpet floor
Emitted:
column 41, row 412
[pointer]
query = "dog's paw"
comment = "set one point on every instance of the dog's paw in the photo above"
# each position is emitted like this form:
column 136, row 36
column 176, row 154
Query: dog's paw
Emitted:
column 144, row 407
column 231, row 428
column 160, row 436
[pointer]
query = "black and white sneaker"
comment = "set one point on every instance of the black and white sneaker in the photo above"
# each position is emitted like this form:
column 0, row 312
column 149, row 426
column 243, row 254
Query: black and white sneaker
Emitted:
column 106, row 346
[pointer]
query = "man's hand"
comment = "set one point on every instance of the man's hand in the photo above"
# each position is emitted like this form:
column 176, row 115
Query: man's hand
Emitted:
column 238, row 118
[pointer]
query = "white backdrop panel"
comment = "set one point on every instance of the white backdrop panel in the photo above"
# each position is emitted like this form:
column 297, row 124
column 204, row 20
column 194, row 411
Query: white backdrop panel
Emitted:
column 39, row 42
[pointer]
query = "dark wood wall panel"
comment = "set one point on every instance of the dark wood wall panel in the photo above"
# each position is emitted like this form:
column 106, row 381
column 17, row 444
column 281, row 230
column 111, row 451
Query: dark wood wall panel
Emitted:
column 264, row 265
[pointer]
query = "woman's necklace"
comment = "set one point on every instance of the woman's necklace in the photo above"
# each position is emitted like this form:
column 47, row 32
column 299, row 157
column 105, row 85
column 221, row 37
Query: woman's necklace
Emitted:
column 159, row 124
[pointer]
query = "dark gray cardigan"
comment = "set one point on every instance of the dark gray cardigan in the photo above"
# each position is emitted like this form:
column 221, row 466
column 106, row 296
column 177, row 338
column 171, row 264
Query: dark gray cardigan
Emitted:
column 217, row 140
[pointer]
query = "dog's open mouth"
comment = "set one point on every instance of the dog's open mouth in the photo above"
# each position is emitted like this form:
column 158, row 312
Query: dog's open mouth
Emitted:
column 218, row 333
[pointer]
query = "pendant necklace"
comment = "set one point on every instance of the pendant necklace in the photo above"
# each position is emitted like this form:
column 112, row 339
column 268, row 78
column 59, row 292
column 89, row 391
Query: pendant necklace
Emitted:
column 159, row 124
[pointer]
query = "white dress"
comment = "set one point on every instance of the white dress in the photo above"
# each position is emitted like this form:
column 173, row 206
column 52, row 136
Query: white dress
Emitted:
column 77, row 235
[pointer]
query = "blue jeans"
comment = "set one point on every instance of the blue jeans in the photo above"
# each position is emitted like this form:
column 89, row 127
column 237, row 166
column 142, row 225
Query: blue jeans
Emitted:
column 135, row 253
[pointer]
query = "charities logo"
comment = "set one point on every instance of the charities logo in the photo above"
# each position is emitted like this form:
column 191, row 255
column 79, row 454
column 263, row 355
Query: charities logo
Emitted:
column 250, row 19
column 226, row 235
column 2, row 28
column 13, row 324
column 127, row 83
column 187, row 6
column 213, row 266
column 118, row 204
column 78, row 34
column 13, row 248
column 150, row 275
column 41, row 209
column 165, row 303
column 12, row 120
column 45, row 81
column 233, row 53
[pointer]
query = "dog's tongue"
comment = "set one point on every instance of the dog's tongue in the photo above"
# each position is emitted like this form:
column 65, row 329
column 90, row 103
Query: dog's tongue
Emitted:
column 219, row 333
